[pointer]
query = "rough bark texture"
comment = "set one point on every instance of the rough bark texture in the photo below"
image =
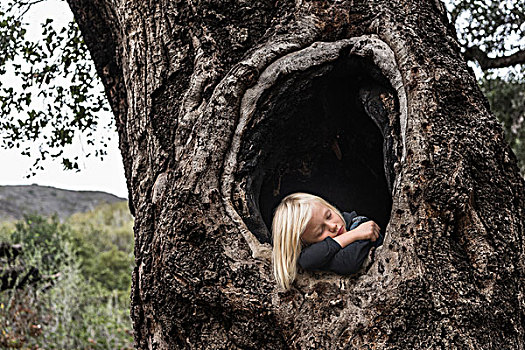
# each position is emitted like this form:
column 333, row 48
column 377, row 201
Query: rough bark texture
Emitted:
column 225, row 106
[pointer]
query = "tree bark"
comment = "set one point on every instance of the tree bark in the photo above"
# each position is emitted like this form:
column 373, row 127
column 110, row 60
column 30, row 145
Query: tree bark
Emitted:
column 224, row 107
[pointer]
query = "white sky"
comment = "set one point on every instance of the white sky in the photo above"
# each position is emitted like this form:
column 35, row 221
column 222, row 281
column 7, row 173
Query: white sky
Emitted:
column 95, row 175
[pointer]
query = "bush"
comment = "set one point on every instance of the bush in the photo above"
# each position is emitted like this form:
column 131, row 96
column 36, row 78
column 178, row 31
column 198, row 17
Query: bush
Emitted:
column 104, row 238
column 44, row 242
column 83, row 300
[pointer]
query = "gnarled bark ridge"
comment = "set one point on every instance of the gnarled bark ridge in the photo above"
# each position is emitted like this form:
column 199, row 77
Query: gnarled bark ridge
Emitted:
column 225, row 107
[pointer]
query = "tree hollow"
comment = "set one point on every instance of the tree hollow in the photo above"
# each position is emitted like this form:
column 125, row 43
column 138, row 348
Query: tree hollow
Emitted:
column 326, row 130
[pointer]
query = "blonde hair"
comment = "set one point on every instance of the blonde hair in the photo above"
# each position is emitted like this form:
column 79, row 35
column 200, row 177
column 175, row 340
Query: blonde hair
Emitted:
column 289, row 222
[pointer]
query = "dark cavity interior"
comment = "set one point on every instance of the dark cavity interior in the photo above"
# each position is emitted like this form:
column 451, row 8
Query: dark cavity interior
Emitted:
column 326, row 131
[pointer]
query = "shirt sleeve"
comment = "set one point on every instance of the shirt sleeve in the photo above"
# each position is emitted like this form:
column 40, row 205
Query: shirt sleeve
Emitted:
column 328, row 255
column 318, row 255
column 349, row 259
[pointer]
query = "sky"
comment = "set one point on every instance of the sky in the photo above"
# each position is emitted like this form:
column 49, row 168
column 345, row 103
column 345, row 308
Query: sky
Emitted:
column 94, row 174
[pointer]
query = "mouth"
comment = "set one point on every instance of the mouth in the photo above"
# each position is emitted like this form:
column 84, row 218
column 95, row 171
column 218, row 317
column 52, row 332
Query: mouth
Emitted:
column 340, row 231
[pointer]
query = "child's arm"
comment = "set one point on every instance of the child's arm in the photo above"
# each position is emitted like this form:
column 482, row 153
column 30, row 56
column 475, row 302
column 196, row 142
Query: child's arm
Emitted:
column 317, row 255
column 343, row 254
column 368, row 230
column 349, row 260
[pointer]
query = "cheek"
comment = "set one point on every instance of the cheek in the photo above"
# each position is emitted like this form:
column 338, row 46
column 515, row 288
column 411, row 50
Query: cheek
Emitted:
column 308, row 239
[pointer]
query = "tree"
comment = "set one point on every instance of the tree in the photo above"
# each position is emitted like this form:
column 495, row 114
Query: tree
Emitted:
column 223, row 108
column 490, row 31
column 52, row 95
column 492, row 37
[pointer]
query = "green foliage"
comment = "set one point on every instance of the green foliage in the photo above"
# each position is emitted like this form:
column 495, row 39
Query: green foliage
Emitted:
column 55, row 93
column 83, row 300
column 46, row 242
column 6, row 227
column 104, row 238
column 496, row 28
column 507, row 100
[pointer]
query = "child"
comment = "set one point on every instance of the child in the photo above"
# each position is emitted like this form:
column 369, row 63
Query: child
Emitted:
column 329, row 243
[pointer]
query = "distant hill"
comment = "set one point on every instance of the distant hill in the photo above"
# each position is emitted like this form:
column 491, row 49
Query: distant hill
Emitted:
column 18, row 200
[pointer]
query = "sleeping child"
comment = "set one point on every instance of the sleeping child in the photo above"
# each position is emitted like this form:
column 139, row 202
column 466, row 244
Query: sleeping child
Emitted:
column 311, row 232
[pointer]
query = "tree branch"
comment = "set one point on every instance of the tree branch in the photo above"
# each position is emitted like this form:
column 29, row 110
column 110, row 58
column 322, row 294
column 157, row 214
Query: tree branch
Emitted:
column 475, row 53
column 10, row 251
column 18, row 276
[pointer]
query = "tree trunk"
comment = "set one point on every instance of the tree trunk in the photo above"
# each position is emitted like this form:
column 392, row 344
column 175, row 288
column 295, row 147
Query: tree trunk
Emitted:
column 225, row 107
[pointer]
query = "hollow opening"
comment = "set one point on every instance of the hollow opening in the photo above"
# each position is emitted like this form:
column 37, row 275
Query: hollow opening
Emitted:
column 326, row 131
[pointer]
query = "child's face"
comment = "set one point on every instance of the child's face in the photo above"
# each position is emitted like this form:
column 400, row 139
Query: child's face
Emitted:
column 323, row 223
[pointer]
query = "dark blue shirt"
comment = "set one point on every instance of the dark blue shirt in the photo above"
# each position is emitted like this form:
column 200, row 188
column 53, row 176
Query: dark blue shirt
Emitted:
column 328, row 255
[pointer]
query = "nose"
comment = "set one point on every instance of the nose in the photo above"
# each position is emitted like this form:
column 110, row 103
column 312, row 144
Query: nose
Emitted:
column 333, row 227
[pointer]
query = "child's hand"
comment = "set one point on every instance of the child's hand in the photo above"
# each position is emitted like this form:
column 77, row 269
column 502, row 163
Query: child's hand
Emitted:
column 368, row 230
